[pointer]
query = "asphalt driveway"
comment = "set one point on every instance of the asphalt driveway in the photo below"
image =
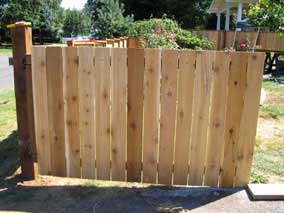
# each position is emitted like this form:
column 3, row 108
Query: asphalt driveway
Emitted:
column 6, row 73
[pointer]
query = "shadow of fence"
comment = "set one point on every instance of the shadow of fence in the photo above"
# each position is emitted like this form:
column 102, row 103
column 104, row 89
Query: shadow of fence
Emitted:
column 96, row 198
column 9, row 162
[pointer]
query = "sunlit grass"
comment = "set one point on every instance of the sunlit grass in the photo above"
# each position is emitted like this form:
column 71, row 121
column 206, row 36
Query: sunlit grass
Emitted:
column 8, row 135
column 268, row 163
column 5, row 51
column 7, row 113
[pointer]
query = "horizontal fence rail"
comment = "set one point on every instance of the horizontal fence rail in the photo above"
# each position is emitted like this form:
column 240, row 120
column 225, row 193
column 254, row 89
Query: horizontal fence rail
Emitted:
column 146, row 115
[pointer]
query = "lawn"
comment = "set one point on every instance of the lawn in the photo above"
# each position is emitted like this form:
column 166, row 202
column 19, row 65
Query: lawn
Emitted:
column 5, row 51
column 8, row 135
column 268, row 164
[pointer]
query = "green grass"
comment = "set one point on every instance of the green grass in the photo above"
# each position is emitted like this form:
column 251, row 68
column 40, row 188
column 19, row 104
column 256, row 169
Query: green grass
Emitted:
column 8, row 135
column 273, row 111
column 268, row 163
column 258, row 177
column 274, row 107
column 5, row 51
column 7, row 113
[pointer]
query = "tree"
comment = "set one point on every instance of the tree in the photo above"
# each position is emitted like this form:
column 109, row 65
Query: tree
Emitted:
column 107, row 19
column 75, row 23
column 268, row 13
column 189, row 14
column 43, row 14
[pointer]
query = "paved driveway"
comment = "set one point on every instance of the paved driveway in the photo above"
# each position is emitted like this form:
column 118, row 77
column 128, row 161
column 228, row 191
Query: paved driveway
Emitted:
column 6, row 73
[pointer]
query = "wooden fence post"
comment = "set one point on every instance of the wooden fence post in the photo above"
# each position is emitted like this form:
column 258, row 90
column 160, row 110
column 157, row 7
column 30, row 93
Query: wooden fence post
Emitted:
column 21, row 34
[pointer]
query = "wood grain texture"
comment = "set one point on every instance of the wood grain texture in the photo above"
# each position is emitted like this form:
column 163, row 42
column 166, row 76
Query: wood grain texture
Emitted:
column 119, row 113
column 151, row 114
column 41, row 110
column 86, row 76
column 22, row 44
column 216, row 131
column 187, row 62
column 103, row 130
column 168, row 115
column 249, row 118
column 135, row 113
column 56, row 120
column 70, row 70
column 195, row 109
column 235, row 104
column 201, row 104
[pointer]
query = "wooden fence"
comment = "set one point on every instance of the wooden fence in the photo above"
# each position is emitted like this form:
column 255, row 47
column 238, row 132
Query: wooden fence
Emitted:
column 146, row 115
column 121, row 42
column 225, row 39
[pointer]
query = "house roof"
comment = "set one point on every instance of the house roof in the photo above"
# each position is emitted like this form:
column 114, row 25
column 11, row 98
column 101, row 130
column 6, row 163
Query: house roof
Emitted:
column 218, row 6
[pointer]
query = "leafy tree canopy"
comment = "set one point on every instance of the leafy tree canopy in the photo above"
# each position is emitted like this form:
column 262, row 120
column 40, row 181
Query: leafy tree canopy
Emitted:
column 268, row 13
column 39, row 12
column 189, row 14
column 75, row 23
column 107, row 19
column 43, row 14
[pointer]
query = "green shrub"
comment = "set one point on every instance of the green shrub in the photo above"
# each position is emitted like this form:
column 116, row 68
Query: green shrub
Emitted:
column 187, row 41
column 110, row 21
column 166, row 33
column 152, row 40
column 153, row 25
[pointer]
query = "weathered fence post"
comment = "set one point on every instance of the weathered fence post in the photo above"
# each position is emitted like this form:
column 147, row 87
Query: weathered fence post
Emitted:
column 21, row 34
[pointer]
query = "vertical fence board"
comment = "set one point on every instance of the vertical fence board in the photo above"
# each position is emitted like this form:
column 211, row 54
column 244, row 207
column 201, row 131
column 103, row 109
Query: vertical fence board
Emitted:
column 119, row 113
column 187, row 62
column 70, row 70
column 41, row 109
column 249, row 118
column 215, row 144
column 201, row 103
column 87, row 110
column 135, row 113
column 235, row 103
column 168, row 114
column 54, row 70
column 151, row 114
column 103, row 131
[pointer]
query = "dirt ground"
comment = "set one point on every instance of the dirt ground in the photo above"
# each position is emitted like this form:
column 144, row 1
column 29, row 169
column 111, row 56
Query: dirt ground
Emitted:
column 51, row 194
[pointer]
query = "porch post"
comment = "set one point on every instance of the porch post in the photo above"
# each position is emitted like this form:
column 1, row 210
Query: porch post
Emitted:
column 228, row 14
column 240, row 12
column 218, row 21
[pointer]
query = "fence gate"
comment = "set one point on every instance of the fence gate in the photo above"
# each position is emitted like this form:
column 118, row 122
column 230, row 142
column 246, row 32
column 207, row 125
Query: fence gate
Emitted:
column 146, row 115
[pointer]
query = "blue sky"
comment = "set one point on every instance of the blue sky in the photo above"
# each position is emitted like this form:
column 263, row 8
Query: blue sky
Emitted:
column 71, row 4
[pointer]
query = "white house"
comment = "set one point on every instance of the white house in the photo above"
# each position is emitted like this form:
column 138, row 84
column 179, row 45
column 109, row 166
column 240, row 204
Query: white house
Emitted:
column 228, row 6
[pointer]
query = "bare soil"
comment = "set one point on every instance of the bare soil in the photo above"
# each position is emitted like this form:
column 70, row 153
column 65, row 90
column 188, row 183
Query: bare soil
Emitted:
column 53, row 194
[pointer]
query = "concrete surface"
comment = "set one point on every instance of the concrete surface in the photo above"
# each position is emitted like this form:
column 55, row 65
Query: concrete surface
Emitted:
column 6, row 73
column 266, row 191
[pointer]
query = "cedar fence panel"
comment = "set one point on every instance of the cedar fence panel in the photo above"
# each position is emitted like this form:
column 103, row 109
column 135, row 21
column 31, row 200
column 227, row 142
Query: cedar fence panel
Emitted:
column 225, row 39
column 146, row 115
